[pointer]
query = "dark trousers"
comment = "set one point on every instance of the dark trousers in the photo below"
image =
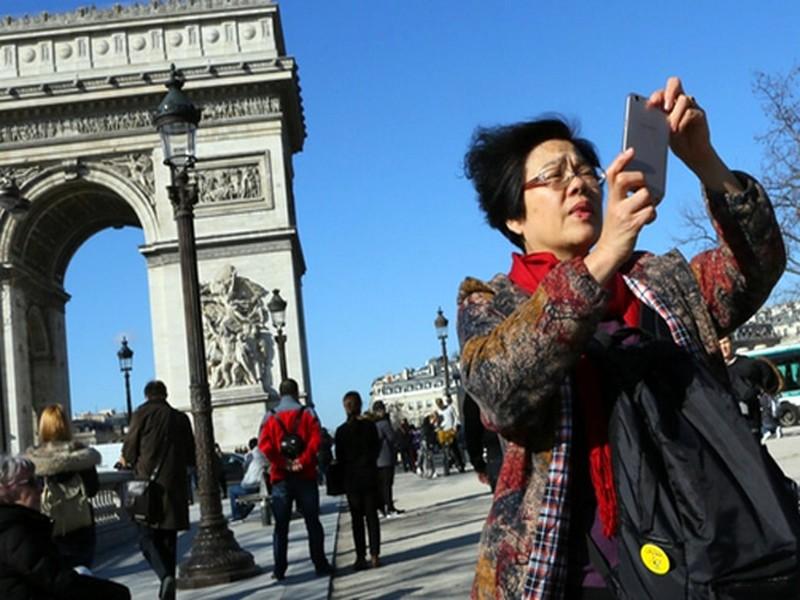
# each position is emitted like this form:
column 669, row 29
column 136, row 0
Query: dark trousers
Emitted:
column 364, row 506
column 385, row 483
column 305, row 493
column 159, row 547
column 77, row 547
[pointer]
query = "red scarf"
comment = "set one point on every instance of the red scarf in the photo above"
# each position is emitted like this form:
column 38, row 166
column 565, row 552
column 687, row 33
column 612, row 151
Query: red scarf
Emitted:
column 527, row 272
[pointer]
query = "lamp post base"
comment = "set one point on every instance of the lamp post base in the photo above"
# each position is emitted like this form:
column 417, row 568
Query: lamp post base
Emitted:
column 215, row 558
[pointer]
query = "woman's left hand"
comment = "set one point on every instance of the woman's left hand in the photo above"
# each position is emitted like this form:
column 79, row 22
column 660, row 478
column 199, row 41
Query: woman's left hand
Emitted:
column 689, row 138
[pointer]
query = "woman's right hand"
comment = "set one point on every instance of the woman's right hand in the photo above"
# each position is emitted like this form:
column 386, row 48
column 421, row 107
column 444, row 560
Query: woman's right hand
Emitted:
column 629, row 207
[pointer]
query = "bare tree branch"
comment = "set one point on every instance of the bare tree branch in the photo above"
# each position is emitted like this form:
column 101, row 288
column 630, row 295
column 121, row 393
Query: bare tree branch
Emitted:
column 780, row 97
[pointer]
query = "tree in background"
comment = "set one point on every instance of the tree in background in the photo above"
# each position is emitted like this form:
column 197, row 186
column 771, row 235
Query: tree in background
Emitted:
column 780, row 95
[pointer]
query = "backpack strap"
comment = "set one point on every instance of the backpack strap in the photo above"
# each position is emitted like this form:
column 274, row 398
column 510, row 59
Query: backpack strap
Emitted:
column 296, row 421
column 154, row 474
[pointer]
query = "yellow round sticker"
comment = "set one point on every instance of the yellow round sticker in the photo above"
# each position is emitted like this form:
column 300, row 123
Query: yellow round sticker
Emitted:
column 655, row 559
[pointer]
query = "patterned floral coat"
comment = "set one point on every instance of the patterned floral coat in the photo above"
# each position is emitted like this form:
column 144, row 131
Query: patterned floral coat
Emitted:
column 517, row 349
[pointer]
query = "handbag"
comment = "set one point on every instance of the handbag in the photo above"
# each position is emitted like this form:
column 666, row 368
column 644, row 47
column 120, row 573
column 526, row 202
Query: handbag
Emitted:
column 142, row 497
column 334, row 479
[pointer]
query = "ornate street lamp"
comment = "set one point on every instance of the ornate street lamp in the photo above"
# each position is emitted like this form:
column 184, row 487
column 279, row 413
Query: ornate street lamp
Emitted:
column 215, row 556
column 441, row 332
column 125, row 356
column 277, row 310
column 11, row 198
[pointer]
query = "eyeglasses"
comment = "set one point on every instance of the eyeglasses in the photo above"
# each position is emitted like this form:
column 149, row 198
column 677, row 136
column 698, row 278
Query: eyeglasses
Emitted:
column 559, row 176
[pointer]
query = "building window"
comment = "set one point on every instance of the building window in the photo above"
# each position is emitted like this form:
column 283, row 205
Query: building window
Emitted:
column 429, row 403
column 428, row 385
column 8, row 55
column 119, row 44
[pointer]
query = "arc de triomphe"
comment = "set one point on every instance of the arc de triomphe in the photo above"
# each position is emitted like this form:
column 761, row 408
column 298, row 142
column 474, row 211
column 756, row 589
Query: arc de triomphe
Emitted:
column 77, row 94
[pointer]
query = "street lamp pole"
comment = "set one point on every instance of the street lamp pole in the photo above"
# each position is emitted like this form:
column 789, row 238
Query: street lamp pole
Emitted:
column 441, row 332
column 125, row 356
column 277, row 310
column 215, row 556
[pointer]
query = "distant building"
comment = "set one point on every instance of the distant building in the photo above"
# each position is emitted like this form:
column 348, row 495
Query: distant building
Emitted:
column 411, row 394
column 779, row 323
column 102, row 427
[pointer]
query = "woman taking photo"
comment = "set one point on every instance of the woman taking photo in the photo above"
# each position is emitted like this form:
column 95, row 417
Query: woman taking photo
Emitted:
column 523, row 334
column 69, row 470
column 357, row 449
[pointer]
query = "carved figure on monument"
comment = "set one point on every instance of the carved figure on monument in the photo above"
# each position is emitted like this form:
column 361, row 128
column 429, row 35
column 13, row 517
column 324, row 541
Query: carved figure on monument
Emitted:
column 229, row 184
column 235, row 324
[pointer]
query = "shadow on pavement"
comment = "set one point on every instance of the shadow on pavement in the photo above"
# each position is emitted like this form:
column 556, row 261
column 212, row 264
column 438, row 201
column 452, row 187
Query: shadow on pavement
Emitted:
column 470, row 539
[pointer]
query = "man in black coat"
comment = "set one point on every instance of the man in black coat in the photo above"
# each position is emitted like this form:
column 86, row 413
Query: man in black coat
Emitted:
column 751, row 380
column 160, row 437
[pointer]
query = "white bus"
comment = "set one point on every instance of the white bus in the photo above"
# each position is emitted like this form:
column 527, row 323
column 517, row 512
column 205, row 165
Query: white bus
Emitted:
column 787, row 360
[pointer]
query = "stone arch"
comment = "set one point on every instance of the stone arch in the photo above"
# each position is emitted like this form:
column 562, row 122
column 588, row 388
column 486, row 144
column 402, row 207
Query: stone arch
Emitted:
column 68, row 206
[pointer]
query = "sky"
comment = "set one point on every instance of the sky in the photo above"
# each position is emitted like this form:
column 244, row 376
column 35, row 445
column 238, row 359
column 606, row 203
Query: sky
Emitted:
column 392, row 92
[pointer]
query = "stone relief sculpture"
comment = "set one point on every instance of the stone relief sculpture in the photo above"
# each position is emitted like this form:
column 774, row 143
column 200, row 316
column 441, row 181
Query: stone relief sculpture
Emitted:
column 235, row 327
column 136, row 166
column 72, row 126
column 233, row 183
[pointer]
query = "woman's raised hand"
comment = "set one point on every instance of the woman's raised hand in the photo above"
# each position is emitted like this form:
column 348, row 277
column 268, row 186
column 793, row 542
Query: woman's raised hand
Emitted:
column 690, row 138
column 629, row 207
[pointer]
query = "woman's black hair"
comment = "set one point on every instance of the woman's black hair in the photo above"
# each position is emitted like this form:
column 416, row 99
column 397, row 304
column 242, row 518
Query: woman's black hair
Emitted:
column 352, row 404
column 495, row 162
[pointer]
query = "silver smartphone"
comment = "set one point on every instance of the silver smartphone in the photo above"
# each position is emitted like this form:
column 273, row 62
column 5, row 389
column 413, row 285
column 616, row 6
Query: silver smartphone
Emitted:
column 647, row 131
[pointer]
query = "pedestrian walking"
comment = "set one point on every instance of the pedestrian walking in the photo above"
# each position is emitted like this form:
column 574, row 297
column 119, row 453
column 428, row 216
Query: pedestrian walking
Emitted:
column 483, row 446
column 69, row 471
column 523, row 334
column 447, row 434
column 219, row 470
column 357, row 449
column 290, row 439
column 428, row 444
column 31, row 566
column 754, row 383
column 387, row 459
column 255, row 466
column 160, row 437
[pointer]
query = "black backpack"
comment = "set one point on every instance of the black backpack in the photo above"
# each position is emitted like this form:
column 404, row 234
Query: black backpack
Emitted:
column 292, row 445
column 704, row 511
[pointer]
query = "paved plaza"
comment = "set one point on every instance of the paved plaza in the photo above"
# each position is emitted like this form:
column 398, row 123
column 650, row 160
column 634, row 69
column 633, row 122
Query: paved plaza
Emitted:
column 428, row 552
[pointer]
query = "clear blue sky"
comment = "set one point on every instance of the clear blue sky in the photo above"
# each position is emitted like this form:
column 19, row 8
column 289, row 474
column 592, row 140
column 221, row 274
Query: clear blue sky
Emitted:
column 392, row 92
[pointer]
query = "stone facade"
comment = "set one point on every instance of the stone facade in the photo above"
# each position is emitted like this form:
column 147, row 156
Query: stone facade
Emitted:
column 77, row 94
column 411, row 394
column 771, row 325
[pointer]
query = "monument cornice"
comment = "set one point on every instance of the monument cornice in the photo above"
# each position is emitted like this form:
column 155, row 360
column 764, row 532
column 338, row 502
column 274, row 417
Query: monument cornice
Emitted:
column 33, row 124
column 152, row 78
column 225, row 246
column 90, row 16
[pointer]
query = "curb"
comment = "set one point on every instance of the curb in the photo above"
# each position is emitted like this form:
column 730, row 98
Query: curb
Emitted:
column 335, row 544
